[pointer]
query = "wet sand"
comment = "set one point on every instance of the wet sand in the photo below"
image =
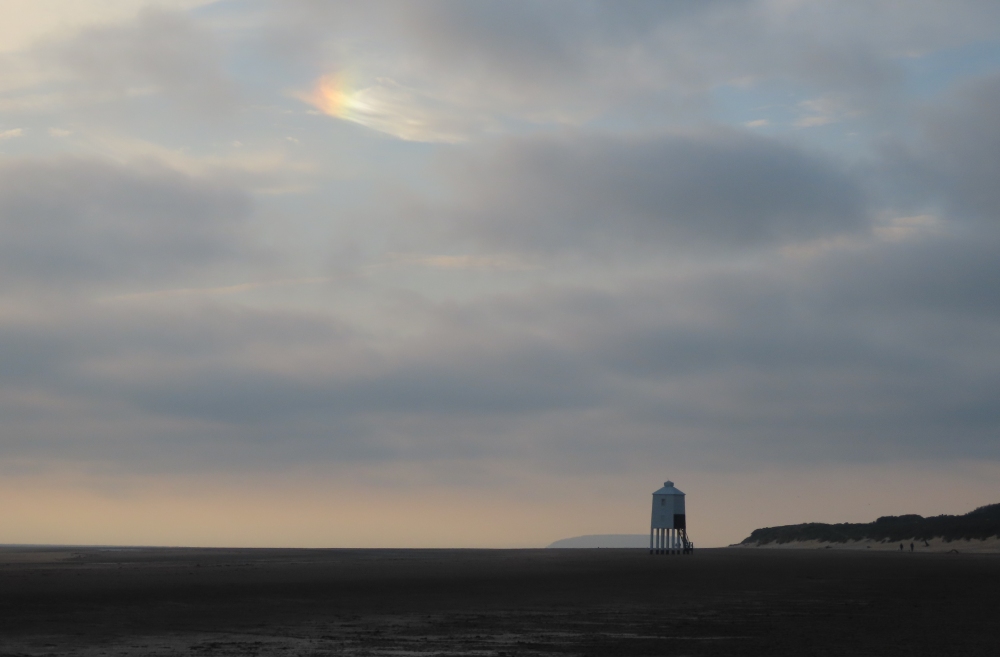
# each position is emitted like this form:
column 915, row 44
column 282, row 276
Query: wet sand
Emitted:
column 504, row 602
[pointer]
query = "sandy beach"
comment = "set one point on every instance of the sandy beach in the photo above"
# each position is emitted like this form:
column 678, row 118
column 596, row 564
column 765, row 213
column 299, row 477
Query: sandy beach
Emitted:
column 165, row 602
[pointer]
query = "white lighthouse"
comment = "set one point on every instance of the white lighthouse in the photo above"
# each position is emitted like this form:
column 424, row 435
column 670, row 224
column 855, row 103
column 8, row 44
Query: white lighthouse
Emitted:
column 668, row 527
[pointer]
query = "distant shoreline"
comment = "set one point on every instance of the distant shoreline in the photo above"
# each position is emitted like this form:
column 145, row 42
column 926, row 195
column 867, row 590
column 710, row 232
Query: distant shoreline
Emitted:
column 965, row 546
column 976, row 531
column 603, row 541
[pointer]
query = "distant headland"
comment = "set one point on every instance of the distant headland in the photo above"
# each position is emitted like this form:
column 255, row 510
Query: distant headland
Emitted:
column 604, row 541
column 976, row 531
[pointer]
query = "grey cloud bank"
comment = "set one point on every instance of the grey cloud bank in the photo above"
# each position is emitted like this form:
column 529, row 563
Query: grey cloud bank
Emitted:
column 960, row 149
column 68, row 219
column 162, row 52
column 721, row 188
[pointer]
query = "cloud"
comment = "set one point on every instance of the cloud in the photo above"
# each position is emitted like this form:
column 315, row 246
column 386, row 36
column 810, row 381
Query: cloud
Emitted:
column 873, row 352
column 173, row 378
column 68, row 220
column 156, row 295
column 448, row 71
column 837, row 358
column 11, row 134
column 502, row 262
column 163, row 54
column 570, row 63
column 393, row 109
column 903, row 228
column 157, row 62
column 27, row 22
column 813, row 121
column 715, row 188
column 959, row 155
column 822, row 111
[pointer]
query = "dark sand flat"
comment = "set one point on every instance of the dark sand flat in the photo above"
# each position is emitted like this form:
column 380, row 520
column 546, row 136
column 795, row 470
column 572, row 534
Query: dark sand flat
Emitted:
column 150, row 601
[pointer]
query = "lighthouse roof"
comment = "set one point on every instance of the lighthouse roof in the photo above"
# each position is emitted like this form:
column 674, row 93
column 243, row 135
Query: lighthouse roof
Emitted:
column 668, row 489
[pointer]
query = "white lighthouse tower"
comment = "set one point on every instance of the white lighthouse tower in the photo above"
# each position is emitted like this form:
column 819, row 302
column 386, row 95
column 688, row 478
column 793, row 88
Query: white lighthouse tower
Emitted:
column 668, row 528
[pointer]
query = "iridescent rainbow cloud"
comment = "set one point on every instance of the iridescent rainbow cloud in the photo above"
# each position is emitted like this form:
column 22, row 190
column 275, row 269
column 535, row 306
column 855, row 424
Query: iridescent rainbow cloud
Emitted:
column 385, row 106
column 332, row 95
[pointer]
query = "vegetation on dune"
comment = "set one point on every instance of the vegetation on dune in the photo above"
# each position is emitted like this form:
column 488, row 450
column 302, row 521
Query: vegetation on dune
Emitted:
column 982, row 523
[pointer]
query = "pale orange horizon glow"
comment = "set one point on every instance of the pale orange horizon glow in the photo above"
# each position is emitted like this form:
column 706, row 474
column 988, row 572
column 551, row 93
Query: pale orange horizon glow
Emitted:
column 399, row 506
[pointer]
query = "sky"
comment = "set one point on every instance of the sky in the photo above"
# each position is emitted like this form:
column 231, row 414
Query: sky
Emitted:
column 485, row 274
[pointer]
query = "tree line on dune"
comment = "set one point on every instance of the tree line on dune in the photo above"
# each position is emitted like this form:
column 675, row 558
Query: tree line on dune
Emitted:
column 982, row 523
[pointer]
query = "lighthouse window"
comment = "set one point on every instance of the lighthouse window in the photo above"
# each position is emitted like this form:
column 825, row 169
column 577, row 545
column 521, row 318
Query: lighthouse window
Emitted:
column 663, row 501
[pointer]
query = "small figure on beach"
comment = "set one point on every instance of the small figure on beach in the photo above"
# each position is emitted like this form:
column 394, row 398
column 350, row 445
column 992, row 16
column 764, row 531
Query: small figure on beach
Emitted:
column 911, row 546
column 900, row 547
